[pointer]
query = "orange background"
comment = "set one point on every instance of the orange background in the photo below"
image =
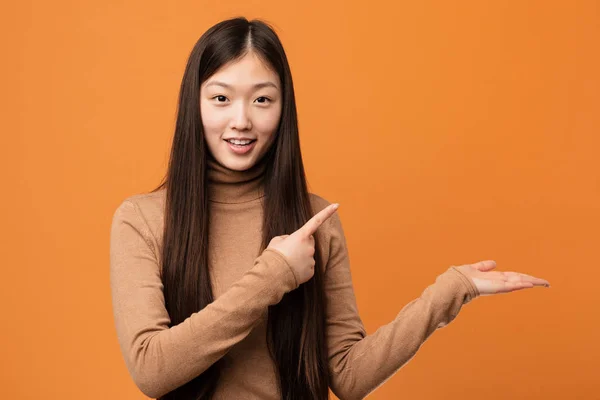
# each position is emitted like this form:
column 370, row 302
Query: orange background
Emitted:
column 450, row 132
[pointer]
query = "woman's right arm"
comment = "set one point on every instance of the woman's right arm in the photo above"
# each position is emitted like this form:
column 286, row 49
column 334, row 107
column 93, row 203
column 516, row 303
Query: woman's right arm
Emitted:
column 161, row 358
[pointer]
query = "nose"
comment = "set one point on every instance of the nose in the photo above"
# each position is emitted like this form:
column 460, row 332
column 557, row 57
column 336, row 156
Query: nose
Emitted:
column 241, row 120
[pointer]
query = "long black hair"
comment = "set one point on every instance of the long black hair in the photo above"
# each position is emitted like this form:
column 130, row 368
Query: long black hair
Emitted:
column 300, row 355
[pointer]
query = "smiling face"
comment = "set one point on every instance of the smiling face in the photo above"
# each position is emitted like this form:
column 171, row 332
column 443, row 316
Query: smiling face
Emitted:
column 242, row 100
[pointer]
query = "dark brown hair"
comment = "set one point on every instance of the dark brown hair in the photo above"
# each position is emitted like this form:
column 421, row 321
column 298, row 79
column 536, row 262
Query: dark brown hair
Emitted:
column 300, row 355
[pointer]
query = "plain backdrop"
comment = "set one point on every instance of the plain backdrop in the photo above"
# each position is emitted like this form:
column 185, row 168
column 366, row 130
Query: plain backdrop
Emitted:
column 449, row 132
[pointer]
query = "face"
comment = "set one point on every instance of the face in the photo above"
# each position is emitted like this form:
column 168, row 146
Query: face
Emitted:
column 242, row 100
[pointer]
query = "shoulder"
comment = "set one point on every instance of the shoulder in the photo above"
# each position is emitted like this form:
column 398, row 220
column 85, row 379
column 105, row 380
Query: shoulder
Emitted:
column 143, row 210
column 317, row 202
column 330, row 236
column 145, row 204
column 331, row 233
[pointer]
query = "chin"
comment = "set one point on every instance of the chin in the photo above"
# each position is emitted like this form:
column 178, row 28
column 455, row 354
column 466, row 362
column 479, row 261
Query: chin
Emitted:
column 239, row 164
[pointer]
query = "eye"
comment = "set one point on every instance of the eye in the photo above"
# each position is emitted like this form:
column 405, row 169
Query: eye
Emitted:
column 265, row 100
column 220, row 98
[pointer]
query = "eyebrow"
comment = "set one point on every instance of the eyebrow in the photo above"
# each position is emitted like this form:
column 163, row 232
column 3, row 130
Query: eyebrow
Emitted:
column 256, row 86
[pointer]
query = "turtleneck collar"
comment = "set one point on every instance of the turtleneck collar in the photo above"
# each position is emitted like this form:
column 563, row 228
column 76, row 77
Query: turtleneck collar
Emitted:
column 229, row 186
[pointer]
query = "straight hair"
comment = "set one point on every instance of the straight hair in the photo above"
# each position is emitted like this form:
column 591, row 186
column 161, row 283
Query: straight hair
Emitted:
column 299, row 355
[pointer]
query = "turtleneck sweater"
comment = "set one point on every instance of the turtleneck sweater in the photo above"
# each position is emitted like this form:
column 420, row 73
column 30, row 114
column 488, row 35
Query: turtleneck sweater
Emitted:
column 245, row 282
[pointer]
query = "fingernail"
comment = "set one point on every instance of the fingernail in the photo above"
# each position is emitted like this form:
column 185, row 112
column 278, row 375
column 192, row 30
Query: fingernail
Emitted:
column 335, row 206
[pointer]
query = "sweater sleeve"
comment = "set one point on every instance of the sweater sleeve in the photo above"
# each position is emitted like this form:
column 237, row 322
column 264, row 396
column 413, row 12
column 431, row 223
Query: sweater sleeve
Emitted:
column 161, row 358
column 359, row 363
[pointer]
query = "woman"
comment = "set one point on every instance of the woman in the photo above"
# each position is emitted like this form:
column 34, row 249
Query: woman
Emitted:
column 230, row 280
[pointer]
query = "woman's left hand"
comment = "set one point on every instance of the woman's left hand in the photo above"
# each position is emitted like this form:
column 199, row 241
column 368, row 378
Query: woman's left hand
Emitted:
column 490, row 282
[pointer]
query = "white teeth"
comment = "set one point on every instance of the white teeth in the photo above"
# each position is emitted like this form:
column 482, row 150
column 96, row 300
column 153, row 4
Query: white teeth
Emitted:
column 239, row 142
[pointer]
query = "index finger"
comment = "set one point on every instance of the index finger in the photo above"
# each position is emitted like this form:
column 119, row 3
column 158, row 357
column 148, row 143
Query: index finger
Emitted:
column 317, row 220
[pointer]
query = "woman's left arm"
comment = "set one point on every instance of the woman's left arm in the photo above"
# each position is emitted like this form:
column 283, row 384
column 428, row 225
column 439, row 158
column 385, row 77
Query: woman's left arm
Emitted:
column 359, row 363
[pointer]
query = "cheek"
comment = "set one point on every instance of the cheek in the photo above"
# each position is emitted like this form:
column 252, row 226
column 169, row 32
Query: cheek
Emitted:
column 268, row 123
column 211, row 125
column 212, row 120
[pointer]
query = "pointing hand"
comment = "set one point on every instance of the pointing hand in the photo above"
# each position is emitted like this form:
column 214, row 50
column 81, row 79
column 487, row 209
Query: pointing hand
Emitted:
column 299, row 247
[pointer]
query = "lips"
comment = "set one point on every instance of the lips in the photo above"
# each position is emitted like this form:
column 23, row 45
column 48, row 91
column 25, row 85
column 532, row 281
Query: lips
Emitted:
column 241, row 148
column 236, row 138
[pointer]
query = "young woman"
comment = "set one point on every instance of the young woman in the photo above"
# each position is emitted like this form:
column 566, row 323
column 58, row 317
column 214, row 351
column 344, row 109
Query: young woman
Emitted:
column 230, row 280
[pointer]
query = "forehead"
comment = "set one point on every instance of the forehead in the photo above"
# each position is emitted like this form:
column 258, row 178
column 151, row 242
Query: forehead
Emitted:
column 246, row 71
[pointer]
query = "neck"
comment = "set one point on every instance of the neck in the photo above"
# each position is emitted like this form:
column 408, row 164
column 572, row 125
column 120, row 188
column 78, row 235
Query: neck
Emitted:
column 230, row 186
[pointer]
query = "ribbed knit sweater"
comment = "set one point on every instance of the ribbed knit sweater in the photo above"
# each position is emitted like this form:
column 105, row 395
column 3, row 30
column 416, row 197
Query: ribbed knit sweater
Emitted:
column 245, row 282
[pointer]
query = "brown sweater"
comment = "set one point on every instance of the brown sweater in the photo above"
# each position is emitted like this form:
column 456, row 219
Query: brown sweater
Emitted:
column 245, row 283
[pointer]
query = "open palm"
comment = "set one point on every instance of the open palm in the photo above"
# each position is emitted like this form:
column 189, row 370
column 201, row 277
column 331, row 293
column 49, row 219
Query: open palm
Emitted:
column 490, row 282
